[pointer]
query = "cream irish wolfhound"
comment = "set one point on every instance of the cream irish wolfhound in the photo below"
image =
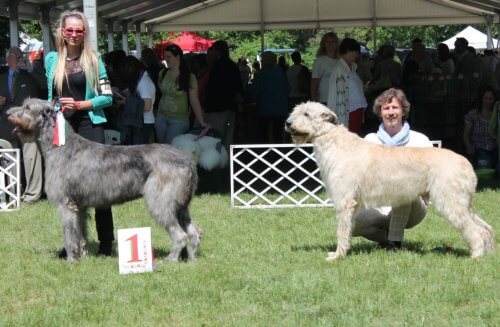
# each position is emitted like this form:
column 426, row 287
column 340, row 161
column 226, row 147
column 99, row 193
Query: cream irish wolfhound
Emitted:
column 359, row 174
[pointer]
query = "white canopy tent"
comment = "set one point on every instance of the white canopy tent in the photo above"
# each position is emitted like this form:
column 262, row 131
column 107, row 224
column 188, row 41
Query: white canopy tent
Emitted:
column 247, row 15
column 257, row 15
column 476, row 39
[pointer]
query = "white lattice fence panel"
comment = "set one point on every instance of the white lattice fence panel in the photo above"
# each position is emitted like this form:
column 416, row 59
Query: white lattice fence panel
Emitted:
column 275, row 175
column 10, row 184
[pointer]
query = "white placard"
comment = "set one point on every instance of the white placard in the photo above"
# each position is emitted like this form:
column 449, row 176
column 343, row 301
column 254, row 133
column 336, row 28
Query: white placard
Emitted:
column 135, row 250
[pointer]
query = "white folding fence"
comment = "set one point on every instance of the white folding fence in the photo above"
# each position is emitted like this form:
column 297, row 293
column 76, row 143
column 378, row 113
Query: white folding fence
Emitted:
column 277, row 176
column 10, row 189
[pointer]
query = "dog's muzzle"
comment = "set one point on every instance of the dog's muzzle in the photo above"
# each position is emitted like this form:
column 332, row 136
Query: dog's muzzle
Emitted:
column 292, row 131
column 288, row 127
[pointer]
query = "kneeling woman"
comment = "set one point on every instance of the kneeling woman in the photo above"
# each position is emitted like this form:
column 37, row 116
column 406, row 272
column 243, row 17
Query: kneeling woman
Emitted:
column 386, row 225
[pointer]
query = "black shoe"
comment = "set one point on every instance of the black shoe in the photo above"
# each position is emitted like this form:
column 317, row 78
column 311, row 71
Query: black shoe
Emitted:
column 63, row 254
column 105, row 248
column 390, row 246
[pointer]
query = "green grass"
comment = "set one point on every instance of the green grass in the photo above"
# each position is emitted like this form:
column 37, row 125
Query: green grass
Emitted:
column 256, row 268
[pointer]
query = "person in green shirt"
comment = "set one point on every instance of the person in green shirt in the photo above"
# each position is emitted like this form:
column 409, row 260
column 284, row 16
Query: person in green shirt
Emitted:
column 179, row 89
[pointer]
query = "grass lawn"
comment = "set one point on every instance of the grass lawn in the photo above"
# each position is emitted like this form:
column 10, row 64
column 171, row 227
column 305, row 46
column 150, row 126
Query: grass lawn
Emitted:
column 256, row 268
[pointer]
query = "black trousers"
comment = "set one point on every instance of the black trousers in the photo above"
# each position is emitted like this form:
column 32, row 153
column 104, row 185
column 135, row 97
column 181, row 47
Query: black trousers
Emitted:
column 103, row 216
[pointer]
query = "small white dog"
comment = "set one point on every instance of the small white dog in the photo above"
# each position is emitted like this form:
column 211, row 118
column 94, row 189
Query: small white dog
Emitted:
column 208, row 152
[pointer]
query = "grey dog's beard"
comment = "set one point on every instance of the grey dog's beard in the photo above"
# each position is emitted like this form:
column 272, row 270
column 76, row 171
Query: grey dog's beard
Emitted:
column 23, row 129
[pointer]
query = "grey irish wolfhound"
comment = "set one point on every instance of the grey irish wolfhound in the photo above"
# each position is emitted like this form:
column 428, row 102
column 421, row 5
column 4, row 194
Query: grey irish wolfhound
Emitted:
column 359, row 174
column 82, row 174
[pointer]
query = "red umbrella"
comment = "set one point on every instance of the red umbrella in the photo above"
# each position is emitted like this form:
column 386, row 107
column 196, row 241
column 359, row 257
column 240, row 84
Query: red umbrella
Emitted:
column 187, row 41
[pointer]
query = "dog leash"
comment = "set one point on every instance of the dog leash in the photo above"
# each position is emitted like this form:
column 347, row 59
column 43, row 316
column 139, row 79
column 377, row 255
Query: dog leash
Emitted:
column 203, row 133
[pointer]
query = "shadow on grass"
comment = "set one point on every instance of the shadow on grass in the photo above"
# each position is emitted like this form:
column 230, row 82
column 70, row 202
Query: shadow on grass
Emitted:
column 410, row 246
column 93, row 247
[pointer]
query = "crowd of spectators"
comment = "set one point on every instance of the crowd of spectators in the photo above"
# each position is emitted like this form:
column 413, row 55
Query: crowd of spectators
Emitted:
column 248, row 102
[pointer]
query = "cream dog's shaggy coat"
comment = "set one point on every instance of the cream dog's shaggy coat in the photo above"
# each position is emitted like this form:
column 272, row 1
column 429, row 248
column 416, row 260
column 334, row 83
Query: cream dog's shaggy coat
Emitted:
column 360, row 174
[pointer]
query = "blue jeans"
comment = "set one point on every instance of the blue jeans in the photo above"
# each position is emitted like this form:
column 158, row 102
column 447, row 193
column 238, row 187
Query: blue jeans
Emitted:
column 484, row 158
column 167, row 129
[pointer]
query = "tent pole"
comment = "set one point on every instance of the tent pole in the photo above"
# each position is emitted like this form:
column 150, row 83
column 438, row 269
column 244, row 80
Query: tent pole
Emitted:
column 489, row 40
column 90, row 11
column 149, row 30
column 111, row 41
column 14, row 23
column 374, row 25
column 261, row 9
column 138, row 43
column 47, row 36
column 124, row 24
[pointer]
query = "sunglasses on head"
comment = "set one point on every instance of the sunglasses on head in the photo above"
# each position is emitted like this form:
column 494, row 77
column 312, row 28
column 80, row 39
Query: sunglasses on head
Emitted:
column 70, row 31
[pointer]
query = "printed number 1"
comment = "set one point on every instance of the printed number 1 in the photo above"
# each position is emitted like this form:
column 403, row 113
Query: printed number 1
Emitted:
column 135, row 249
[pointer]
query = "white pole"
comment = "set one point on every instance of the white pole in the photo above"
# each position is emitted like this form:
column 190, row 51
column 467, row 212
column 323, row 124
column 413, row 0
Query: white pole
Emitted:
column 46, row 32
column 138, row 44
column 14, row 23
column 90, row 11
column 125, row 36
column 111, row 41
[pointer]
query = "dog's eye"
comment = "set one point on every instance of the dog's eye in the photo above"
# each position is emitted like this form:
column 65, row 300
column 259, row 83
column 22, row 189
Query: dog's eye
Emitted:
column 306, row 114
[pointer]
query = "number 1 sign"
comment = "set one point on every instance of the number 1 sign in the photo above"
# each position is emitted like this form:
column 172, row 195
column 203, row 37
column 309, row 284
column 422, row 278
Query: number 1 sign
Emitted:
column 135, row 250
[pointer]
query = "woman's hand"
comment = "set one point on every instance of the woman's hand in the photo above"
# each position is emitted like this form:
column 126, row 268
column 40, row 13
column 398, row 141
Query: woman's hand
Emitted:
column 72, row 104
column 69, row 103
column 205, row 125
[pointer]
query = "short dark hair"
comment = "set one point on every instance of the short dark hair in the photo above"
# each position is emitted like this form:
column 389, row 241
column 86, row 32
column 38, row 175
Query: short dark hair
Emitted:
column 462, row 41
column 222, row 48
column 296, row 57
column 417, row 40
column 349, row 44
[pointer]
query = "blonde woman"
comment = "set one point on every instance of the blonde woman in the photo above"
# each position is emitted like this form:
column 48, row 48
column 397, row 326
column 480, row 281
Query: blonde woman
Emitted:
column 77, row 79
column 326, row 57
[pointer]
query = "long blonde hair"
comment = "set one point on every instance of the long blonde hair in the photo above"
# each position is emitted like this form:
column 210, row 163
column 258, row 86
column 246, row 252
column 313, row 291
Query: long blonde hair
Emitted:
column 88, row 59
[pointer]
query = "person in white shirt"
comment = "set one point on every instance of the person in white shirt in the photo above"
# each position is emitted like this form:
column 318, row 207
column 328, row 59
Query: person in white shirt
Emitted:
column 386, row 225
column 137, row 78
column 346, row 96
column 326, row 57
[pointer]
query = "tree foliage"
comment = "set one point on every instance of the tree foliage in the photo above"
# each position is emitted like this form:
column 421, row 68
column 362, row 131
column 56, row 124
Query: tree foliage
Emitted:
column 248, row 44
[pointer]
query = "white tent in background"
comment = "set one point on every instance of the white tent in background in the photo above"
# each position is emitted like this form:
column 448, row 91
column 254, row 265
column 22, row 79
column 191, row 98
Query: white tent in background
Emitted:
column 476, row 39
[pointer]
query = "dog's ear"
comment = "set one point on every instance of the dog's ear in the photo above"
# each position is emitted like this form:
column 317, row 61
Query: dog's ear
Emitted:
column 330, row 117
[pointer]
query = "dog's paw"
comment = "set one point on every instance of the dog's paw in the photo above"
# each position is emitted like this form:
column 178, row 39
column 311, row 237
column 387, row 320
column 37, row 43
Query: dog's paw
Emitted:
column 332, row 256
column 172, row 258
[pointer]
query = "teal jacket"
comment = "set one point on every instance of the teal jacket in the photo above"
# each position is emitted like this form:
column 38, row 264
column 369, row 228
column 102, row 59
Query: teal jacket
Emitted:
column 98, row 101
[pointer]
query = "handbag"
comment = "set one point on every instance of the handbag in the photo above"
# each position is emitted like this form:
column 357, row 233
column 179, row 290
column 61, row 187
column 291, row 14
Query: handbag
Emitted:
column 133, row 111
